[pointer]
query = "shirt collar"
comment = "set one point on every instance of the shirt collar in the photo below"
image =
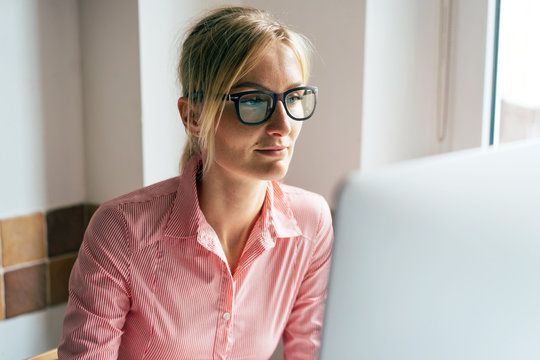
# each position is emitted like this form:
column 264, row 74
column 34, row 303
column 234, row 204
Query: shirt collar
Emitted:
column 185, row 214
column 187, row 220
column 280, row 216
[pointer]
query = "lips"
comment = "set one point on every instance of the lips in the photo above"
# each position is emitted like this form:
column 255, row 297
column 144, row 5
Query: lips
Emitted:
column 274, row 151
column 273, row 148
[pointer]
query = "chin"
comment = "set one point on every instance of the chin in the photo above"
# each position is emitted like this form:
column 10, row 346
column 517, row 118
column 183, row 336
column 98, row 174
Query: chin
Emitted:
column 276, row 172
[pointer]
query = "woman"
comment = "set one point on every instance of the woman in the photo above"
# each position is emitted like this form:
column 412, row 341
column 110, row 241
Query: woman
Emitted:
column 222, row 261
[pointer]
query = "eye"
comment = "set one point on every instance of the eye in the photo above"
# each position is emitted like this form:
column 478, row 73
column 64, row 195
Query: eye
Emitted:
column 253, row 100
column 294, row 98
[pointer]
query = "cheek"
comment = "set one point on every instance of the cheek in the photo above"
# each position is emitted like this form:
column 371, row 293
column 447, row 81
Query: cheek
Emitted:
column 232, row 135
column 296, row 128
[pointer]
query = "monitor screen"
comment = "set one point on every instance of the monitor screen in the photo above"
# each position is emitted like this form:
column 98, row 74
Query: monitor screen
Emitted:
column 438, row 258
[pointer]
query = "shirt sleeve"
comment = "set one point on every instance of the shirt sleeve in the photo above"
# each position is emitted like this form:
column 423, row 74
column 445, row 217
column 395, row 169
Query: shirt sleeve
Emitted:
column 99, row 290
column 301, row 338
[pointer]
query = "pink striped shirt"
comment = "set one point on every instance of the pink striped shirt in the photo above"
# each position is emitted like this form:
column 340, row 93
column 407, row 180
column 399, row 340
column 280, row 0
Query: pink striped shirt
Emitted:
column 152, row 281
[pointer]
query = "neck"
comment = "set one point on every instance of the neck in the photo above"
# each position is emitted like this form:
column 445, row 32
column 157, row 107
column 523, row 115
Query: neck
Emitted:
column 231, row 206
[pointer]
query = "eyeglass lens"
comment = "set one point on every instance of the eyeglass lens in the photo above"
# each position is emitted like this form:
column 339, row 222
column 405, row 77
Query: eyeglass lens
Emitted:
column 256, row 107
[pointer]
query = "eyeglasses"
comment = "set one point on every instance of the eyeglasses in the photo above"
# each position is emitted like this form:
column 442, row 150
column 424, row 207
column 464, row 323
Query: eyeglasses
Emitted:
column 256, row 107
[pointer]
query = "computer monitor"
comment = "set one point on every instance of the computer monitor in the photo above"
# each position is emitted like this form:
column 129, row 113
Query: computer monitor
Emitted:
column 438, row 258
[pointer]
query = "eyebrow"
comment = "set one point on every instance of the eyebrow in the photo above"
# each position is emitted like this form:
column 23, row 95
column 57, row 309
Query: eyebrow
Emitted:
column 254, row 85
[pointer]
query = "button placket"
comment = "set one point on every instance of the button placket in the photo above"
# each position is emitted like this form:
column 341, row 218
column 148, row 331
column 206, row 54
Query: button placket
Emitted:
column 223, row 338
column 228, row 317
column 227, row 312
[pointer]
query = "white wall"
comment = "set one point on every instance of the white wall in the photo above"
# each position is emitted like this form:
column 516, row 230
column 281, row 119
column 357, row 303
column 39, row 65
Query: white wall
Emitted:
column 31, row 334
column 41, row 112
column 163, row 134
column 41, row 135
column 470, row 73
column 401, row 79
column 111, row 92
column 400, row 87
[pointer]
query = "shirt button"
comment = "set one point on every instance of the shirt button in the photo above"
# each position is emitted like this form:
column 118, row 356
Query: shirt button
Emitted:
column 226, row 316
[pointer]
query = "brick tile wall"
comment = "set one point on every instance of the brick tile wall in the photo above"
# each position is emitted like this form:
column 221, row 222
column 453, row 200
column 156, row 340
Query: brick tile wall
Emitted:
column 37, row 253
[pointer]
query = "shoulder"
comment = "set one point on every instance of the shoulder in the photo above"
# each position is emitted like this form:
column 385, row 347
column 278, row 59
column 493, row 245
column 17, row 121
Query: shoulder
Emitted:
column 311, row 210
column 305, row 202
column 151, row 202
column 146, row 194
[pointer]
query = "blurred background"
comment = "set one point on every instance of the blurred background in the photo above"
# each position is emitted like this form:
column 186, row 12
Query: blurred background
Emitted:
column 88, row 111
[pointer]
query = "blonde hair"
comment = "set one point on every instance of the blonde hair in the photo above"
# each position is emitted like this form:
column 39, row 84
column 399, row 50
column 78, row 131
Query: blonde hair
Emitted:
column 219, row 50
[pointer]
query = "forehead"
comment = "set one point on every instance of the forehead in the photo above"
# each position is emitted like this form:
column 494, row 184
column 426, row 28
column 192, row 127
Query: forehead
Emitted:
column 277, row 70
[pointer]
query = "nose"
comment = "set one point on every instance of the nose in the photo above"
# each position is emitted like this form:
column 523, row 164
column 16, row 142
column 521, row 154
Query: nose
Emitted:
column 279, row 123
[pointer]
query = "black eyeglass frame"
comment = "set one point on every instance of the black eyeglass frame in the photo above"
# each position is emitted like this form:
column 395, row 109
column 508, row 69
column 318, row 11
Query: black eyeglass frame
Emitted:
column 276, row 97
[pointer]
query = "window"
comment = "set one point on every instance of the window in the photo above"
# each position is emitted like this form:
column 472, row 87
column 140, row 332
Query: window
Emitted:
column 517, row 91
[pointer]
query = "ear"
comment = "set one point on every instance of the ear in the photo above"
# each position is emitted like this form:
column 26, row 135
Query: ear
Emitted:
column 190, row 116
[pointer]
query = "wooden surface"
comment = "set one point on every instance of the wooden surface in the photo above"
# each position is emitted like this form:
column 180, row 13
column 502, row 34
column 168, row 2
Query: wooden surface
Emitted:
column 49, row 355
